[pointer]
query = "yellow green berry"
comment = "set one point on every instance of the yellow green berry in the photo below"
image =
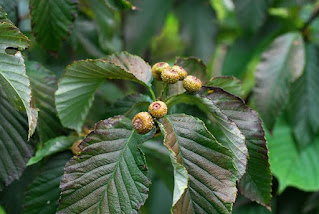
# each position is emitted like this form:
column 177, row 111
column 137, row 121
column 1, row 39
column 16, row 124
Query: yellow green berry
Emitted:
column 143, row 122
column 158, row 68
column 76, row 150
column 192, row 84
column 170, row 76
column 157, row 109
column 181, row 72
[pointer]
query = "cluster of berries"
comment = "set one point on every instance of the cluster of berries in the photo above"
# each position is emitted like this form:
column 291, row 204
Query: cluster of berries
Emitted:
column 162, row 71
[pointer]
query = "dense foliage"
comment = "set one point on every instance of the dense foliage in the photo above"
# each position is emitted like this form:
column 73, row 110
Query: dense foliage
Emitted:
column 226, row 123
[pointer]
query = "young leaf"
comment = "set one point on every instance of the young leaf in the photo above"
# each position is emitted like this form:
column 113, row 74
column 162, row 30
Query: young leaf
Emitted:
column 77, row 87
column 207, row 165
column 14, row 150
column 251, row 14
column 44, row 84
column 52, row 146
column 200, row 41
column 13, row 78
column 226, row 131
column 281, row 63
column 292, row 166
column 228, row 83
column 256, row 183
column 52, row 21
column 142, row 24
column 110, row 175
column 304, row 99
column 43, row 194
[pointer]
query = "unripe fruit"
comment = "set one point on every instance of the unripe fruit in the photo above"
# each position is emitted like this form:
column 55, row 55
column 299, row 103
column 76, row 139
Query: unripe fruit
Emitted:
column 192, row 83
column 143, row 122
column 157, row 109
column 76, row 150
column 158, row 68
column 181, row 72
column 170, row 76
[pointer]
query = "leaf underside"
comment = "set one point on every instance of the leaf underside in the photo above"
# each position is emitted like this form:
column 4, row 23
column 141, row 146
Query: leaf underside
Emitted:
column 14, row 148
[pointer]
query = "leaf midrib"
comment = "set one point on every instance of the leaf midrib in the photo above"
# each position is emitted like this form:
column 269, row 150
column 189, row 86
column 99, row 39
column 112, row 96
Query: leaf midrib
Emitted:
column 115, row 170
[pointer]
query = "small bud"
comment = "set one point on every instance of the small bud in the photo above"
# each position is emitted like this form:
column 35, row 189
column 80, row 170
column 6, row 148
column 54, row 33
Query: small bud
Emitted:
column 158, row 68
column 157, row 109
column 143, row 122
column 181, row 72
column 76, row 150
column 192, row 84
column 170, row 76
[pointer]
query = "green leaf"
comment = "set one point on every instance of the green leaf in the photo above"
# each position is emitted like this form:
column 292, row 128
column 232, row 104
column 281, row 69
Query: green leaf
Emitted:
column 142, row 24
column 43, row 194
column 281, row 64
column 110, row 176
column 44, row 84
column 51, row 147
column 225, row 131
column 199, row 40
column 2, row 210
column 304, row 99
column 14, row 149
column 77, row 87
column 11, row 7
column 107, row 26
column 207, row 165
column 133, row 64
column 52, row 21
column 229, row 84
column 251, row 14
column 292, row 166
column 256, row 183
column 13, row 78
column 247, row 47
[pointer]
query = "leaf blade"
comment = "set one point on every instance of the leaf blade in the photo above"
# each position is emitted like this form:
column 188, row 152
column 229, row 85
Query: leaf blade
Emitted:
column 182, row 143
column 281, row 64
column 119, row 169
column 48, row 16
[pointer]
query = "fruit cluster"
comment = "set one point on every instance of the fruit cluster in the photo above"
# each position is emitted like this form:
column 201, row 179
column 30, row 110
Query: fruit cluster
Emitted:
column 143, row 122
column 162, row 71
